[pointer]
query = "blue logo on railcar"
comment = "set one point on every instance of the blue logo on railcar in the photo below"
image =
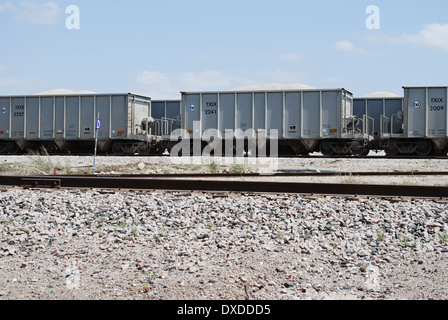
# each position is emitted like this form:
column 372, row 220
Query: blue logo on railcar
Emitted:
column 4, row 110
column 192, row 107
column 416, row 104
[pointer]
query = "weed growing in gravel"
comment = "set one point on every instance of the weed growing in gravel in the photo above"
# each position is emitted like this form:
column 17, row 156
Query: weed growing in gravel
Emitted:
column 41, row 162
column 443, row 237
column 404, row 240
column 8, row 168
column 211, row 226
column 68, row 168
column 239, row 169
column 100, row 223
column 213, row 167
column 85, row 171
column 380, row 234
column 122, row 224
column 162, row 233
column 6, row 223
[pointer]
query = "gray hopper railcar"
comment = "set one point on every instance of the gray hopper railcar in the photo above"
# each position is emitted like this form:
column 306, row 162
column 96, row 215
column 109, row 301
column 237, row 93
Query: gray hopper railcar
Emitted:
column 424, row 120
column 378, row 108
column 67, row 123
column 306, row 120
column 167, row 116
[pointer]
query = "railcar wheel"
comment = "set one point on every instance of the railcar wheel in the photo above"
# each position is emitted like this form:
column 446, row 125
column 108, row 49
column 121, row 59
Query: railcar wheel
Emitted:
column 117, row 148
column 326, row 149
column 391, row 150
column 9, row 148
column 144, row 149
column 424, row 148
column 358, row 149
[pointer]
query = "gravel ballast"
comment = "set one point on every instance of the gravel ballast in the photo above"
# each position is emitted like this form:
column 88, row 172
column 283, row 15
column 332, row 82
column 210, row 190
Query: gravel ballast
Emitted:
column 126, row 245
column 135, row 245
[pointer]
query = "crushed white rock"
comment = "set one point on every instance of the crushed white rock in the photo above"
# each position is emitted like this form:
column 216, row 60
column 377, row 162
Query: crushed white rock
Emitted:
column 79, row 244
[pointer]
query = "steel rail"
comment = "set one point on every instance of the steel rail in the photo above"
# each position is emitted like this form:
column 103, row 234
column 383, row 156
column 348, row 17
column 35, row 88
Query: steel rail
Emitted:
column 204, row 185
column 305, row 173
column 279, row 174
column 378, row 157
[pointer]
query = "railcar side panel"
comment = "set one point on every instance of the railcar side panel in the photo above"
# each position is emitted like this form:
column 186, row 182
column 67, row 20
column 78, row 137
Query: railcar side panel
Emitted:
column 167, row 114
column 46, row 120
column 88, row 118
column 5, row 116
column 311, row 115
column 103, row 107
column 244, row 112
column 173, row 109
column 293, row 107
column 260, row 113
column 275, row 113
column 392, row 107
column 226, row 113
column 72, row 118
column 415, row 113
column 437, row 113
column 18, row 110
column 158, row 109
column 60, row 120
column 329, row 114
column 425, row 112
column 119, row 118
column 32, row 119
column 209, row 111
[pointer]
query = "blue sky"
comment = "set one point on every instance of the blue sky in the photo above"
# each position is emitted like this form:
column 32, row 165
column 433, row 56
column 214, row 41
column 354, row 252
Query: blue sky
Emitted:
column 159, row 48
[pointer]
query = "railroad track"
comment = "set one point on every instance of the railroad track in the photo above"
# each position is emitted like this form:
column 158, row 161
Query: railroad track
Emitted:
column 377, row 157
column 225, row 183
column 292, row 173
